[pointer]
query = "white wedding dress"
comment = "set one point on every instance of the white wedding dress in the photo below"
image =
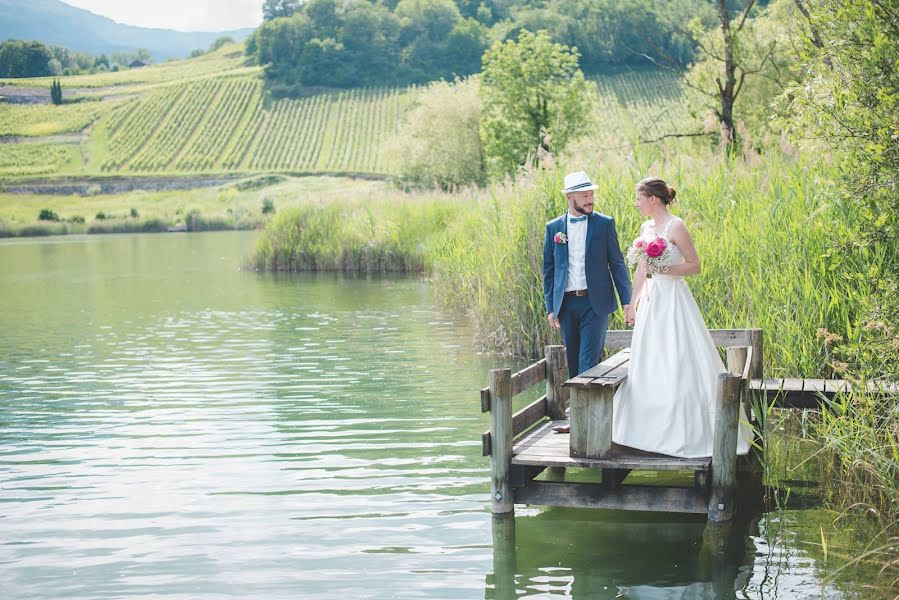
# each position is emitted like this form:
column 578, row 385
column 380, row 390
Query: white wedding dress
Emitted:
column 667, row 403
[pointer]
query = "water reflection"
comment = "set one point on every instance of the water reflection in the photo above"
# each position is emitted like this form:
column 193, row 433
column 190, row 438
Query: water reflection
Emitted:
column 619, row 555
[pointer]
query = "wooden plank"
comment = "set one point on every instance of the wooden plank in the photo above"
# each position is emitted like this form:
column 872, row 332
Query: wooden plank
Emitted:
column 521, row 421
column 528, row 376
column 485, row 399
column 793, row 385
column 625, row 497
column 528, row 416
column 618, row 338
column 545, row 447
column 835, row 386
column 608, row 364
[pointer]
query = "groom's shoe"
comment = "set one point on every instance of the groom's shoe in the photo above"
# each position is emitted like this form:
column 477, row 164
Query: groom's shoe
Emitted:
column 562, row 429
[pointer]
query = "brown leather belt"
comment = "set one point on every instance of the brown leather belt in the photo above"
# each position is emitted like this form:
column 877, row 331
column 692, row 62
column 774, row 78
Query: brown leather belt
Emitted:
column 576, row 293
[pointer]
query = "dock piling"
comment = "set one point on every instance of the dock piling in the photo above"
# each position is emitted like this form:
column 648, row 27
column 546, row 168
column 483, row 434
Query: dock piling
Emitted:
column 501, row 500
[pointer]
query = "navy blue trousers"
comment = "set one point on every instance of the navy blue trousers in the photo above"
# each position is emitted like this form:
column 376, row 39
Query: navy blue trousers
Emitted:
column 583, row 332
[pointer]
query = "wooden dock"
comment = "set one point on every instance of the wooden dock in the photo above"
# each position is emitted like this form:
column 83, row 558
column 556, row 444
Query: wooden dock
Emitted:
column 523, row 445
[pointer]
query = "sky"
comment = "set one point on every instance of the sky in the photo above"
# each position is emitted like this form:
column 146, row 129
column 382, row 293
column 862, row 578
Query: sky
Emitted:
column 182, row 15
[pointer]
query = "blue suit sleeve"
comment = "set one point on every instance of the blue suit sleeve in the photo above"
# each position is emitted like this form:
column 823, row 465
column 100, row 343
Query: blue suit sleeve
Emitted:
column 617, row 267
column 548, row 271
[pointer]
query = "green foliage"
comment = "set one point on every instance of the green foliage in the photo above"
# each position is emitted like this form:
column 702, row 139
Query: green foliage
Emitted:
column 268, row 206
column 133, row 213
column 47, row 215
column 100, row 216
column 273, row 9
column 849, row 99
column 24, row 59
column 610, row 34
column 438, row 143
column 534, row 96
column 768, row 64
column 358, row 43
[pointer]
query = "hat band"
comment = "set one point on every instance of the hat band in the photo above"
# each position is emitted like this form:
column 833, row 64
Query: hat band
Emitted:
column 580, row 185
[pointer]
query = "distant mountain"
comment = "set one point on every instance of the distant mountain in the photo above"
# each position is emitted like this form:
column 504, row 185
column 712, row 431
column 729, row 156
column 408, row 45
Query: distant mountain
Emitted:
column 55, row 22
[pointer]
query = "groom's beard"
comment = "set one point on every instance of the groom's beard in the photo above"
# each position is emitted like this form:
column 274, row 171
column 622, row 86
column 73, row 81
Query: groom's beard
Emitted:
column 581, row 209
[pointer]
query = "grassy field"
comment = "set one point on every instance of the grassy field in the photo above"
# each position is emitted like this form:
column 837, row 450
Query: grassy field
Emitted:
column 237, row 205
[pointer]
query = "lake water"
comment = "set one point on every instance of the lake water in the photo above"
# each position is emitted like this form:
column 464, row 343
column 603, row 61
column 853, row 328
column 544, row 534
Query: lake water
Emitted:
column 174, row 427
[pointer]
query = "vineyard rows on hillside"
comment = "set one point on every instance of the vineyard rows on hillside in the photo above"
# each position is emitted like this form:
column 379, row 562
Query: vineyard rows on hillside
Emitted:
column 36, row 159
column 641, row 104
column 38, row 120
column 223, row 121
column 222, row 124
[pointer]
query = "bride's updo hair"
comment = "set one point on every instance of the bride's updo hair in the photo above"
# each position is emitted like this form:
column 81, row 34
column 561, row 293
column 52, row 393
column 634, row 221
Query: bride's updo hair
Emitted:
column 655, row 186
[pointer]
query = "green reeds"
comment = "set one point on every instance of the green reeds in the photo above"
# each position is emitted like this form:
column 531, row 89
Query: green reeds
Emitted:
column 374, row 237
column 766, row 233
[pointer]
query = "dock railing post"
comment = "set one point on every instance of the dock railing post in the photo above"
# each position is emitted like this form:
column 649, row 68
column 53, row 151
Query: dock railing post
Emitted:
column 501, row 500
column 556, row 374
column 724, row 448
column 556, row 396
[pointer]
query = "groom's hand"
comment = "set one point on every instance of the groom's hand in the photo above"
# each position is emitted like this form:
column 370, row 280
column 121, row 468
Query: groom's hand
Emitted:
column 553, row 321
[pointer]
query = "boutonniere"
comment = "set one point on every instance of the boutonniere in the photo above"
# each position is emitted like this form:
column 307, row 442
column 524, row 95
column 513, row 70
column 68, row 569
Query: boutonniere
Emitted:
column 560, row 238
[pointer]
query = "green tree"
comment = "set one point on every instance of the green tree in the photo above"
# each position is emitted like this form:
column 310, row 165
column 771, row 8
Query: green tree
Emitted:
column 273, row 9
column 56, row 92
column 438, row 144
column 535, row 98
column 849, row 98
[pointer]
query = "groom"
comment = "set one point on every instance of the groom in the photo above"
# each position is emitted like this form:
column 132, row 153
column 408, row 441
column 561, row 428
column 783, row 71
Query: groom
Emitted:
column 581, row 259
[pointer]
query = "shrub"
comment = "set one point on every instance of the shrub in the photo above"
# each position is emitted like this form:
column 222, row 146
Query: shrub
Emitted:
column 47, row 215
column 439, row 143
column 268, row 206
column 100, row 216
column 134, row 213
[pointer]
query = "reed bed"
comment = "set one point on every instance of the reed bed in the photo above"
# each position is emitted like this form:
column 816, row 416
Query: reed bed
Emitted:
column 377, row 236
column 771, row 234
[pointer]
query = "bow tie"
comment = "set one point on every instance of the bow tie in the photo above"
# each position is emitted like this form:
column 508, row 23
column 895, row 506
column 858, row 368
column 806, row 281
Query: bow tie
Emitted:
column 577, row 219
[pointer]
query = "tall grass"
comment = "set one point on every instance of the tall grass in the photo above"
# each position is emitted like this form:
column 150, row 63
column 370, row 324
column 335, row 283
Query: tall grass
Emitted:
column 376, row 236
column 765, row 231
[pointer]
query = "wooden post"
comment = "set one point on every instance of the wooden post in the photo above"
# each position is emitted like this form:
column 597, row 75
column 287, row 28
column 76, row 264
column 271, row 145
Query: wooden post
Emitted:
column 756, row 366
column 591, row 422
column 556, row 374
column 724, row 449
column 501, row 500
column 505, row 560
column 556, row 396
column 736, row 359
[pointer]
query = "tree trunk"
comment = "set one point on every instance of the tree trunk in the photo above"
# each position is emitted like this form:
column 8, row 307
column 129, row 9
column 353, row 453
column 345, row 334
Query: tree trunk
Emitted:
column 726, row 91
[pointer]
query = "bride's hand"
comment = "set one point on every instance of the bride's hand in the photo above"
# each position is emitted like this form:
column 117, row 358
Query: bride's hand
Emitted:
column 630, row 315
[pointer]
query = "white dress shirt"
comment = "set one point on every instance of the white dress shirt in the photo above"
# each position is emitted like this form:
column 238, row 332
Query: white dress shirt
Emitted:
column 577, row 250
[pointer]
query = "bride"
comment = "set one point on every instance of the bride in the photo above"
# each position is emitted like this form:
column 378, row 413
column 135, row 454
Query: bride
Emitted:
column 667, row 403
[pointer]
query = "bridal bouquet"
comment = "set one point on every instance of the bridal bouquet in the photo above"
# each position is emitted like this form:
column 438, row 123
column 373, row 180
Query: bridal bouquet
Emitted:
column 653, row 251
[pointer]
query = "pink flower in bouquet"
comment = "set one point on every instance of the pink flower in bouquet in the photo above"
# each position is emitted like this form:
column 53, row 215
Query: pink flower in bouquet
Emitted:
column 655, row 248
column 639, row 244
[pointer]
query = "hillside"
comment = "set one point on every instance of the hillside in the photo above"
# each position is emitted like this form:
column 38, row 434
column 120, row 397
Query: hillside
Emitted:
column 209, row 115
column 55, row 22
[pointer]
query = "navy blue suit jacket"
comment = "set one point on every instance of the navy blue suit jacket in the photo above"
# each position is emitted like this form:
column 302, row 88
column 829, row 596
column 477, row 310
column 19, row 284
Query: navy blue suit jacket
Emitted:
column 603, row 262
